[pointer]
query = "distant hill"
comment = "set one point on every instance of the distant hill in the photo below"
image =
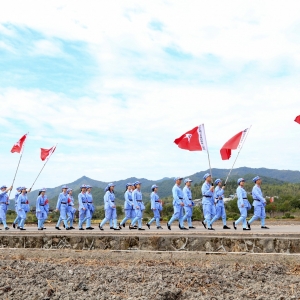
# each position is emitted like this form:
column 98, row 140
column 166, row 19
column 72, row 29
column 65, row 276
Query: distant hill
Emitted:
column 271, row 176
column 281, row 175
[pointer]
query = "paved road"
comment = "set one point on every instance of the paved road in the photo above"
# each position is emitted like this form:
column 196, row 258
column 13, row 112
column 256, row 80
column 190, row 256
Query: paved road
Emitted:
column 275, row 230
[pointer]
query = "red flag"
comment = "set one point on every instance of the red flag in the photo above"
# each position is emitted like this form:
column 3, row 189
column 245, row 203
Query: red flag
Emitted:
column 45, row 153
column 193, row 140
column 297, row 119
column 234, row 143
column 17, row 147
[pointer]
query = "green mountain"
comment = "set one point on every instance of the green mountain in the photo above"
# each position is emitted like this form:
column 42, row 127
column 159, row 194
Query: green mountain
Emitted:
column 270, row 176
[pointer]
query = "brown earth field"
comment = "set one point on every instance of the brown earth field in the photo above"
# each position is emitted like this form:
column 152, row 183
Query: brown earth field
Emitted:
column 34, row 274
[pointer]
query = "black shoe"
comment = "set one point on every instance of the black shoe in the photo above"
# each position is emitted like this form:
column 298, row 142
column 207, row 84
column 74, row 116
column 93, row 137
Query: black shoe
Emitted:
column 148, row 225
column 132, row 227
column 111, row 228
column 141, row 229
column 159, row 227
column 117, row 228
column 135, row 226
column 204, row 224
column 124, row 225
column 81, row 229
column 234, row 225
column 89, row 228
column 262, row 227
column 226, row 227
column 64, row 225
column 72, row 227
column 179, row 225
column 57, row 228
column 14, row 225
column 210, row 228
column 192, row 227
column 22, row 228
column 169, row 226
column 248, row 225
column 44, row 228
column 18, row 227
column 6, row 228
column 246, row 229
column 40, row 228
column 68, row 228
column 183, row 228
column 101, row 228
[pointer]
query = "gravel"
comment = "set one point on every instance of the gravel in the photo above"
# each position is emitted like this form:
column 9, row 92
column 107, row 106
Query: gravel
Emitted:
column 63, row 274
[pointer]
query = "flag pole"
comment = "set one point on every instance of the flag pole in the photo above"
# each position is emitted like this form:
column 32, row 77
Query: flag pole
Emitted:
column 209, row 163
column 42, row 168
column 18, row 164
column 237, row 155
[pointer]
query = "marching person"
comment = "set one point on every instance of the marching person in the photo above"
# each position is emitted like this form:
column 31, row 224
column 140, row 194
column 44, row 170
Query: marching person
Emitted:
column 207, row 201
column 139, row 206
column 23, row 207
column 91, row 207
column 41, row 212
column 188, row 203
column 156, row 206
column 84, row 212
column 243, row 204
column 4, row 202
column 62, row 207
column 46, row 210
column 128, row 205
column 17, row 219
column 259, row 203
column 220, row 206
column 178, row 204
column 133, row 188
column 71, row 209
column 110, row 207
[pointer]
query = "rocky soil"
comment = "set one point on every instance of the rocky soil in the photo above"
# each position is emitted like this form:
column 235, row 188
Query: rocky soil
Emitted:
column 34, row 274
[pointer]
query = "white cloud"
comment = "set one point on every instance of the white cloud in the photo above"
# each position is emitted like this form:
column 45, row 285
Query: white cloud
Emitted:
column 45, row 47
column 108, row 137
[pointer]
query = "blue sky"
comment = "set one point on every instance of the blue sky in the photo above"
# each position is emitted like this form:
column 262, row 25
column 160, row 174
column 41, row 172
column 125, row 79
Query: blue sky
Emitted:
column 115, row 83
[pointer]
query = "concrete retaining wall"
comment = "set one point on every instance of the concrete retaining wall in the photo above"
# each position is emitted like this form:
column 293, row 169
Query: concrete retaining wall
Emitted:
column 156, row 243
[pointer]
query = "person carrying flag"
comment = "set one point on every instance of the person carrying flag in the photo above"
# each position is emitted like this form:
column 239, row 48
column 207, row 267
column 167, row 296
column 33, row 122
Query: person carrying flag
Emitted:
column 41, row 212
column 4, row 202
column 243, row 204
column 207, row 201
column 110, row 207
column 71, row 209
column 156, row 206
column 62, row 207
column 178, row 204
column 23, row 207
column 188, row 202
column 259, row 203
column 220, row 206
column 17, row 219
column 128, row 205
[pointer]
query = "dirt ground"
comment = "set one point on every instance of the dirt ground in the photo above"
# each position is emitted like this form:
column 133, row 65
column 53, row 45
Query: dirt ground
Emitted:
column 34, row 274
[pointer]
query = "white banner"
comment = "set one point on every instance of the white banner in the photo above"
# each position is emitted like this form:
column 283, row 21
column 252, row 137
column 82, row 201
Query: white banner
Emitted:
column 202, row 137
column 243, row 138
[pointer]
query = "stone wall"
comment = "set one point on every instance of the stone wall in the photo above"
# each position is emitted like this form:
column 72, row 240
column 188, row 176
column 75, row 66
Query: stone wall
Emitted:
column 155, row 243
